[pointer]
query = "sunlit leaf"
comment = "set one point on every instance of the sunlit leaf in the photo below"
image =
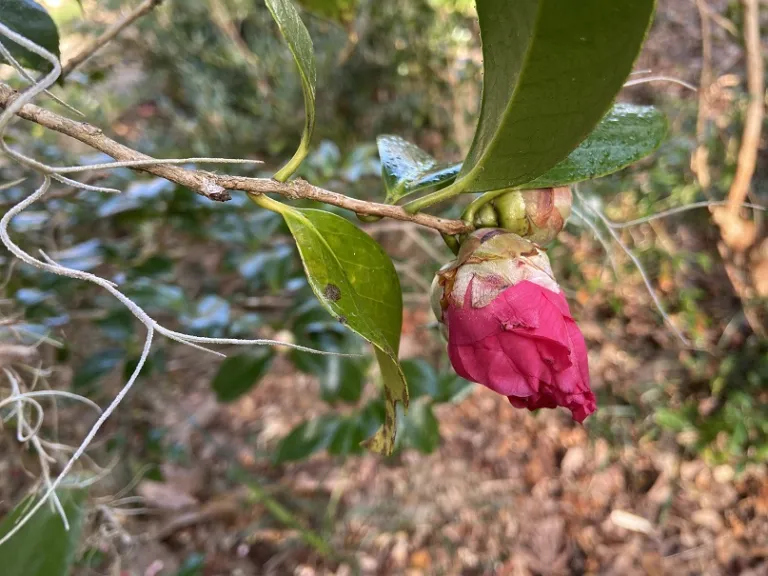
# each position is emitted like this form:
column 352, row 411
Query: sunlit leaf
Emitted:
column 625, row 135
column 211, row 312
column 156, row 297
column 138, row 196
column 403, row 164
column 356, row 282
column 43, row 547
column 300, row 43
column 32, row 21
column 84, row 256
column 671, row 420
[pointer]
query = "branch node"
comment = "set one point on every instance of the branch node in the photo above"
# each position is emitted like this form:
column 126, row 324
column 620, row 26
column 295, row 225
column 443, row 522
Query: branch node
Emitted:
column 294, row 191
column 92, row 130
column 214, row 191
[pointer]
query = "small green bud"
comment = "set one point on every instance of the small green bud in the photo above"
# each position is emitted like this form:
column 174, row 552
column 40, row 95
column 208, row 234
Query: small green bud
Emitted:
column 486, row 217
column 536, row 215
column 511, row 211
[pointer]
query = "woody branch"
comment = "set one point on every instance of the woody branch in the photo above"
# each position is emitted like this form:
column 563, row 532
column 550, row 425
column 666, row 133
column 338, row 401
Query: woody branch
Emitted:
column 216, row 186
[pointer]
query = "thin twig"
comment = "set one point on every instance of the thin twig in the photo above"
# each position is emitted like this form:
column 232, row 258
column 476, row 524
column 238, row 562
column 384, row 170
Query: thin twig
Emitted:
column 215, row 186
column 649, row 79
column 719, row 19
column 636, row 261
column 95, row 45
column 699, row 162
column 753, row 123
column 151, row 325
column 5, row 53
column 679, row 209
column 589, row 223
column 12, row 353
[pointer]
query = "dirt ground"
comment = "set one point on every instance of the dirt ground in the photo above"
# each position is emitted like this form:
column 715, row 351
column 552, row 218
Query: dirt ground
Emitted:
column 506, row 492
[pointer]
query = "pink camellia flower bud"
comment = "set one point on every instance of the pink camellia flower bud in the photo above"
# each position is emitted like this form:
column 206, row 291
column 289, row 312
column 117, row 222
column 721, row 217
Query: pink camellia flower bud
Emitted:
column 509, row 326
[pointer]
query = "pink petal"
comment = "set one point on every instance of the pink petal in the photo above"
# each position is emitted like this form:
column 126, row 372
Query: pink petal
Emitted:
column 487, row 364
column 526, row 356
column 559, row 301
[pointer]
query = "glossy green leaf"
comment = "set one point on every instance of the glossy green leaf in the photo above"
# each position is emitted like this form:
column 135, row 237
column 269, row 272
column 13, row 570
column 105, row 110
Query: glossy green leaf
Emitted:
column 347, row 438
column 419, row 429
column 551, row 73
column 422, row 378
column 43, row 547
column 403, row 164
column 356, row 282
column 32, row 21
column 625, row 135
column 341, row 378
column 212, row 312
column 300, row 43
column 238, row 374
column 156, row 297
column 340, row 435
column 423, row 381
column 452, row 388
column 355, row 428
column 306, row 439
column 434, row 178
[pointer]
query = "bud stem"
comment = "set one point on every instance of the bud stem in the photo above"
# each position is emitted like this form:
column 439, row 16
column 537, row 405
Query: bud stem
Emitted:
column 438, row 196
column 469, row 212
column 269, row 204
column 451, row 242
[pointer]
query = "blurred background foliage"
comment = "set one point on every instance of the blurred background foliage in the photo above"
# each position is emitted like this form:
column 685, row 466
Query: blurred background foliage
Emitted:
column 206, row 79
column 213, row 78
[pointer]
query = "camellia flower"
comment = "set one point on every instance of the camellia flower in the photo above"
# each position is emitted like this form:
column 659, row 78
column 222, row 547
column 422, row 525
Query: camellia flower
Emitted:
column 509, row 326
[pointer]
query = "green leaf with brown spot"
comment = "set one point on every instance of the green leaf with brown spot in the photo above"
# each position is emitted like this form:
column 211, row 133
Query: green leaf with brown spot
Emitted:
column 356, row 282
